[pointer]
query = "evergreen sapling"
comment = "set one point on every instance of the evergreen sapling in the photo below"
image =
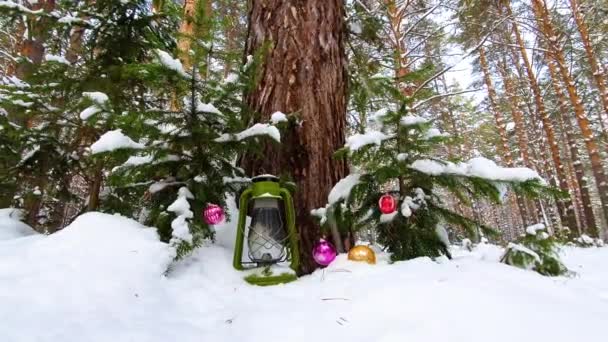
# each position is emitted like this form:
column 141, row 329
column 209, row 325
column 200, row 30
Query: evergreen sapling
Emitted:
column 400, row 159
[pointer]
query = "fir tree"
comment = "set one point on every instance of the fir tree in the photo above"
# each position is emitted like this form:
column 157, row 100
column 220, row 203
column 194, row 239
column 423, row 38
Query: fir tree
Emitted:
column 400, row 158
column 61, row 106
column 190, row 137
column 536, row 250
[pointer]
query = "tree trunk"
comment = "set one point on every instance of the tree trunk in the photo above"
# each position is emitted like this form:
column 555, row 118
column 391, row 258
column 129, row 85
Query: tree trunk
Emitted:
column 32, row 45
column 565, row 207
column 516, row 113
column 501, row 126
column 303, row 73
column 520, row 128
column 95, row 187
column 33, row 203
column 599, row 75
column 186, row 31
column 579, row 171
column 555, row 55
column 157, row 6
column 75, row 48
column 231, row 31
column 531, row 128
column 32, row 48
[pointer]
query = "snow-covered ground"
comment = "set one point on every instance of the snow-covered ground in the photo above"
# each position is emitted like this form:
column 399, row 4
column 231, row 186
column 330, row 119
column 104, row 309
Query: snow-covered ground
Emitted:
column 11, row 226
column 102, row 279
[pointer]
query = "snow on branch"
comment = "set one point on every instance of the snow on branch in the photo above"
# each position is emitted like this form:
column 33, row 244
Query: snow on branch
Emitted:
column 476, row 167
column 55, row 58
column 181, row 208
column 89, row 111
column 277, row 117
column 357, row 141
column 114, row 140
column 411, row 120
column 71, row 20
column 96, row 96
column 343, row 188
column 19, row 8
column 171, row 63
column 255, row 130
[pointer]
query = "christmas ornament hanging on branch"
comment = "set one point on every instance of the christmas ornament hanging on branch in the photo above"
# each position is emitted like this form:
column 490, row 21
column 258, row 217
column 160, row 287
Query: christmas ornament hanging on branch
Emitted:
column 213, row 214
column 387, row 204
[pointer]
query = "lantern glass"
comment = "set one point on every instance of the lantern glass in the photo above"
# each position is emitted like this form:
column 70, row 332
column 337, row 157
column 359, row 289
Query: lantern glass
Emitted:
column 267, row 236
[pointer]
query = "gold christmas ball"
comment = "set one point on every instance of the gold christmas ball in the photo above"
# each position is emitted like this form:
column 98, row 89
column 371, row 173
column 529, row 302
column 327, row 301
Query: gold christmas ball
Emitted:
column 362, row 253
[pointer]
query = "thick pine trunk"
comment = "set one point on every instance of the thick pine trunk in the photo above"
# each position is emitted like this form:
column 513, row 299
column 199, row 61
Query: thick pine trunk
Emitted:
column 304, row 74
column 555, row 55
column 599, row 75
column 186, row 31
column 590, row 224
column 531, row 129
column 565, row 207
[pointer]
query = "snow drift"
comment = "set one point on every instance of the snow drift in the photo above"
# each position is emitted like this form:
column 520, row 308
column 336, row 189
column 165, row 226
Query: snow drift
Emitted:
column 103, row 279
column 11, row 226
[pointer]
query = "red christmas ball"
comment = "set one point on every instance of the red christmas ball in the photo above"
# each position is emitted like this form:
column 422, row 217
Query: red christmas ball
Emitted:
column 387, row 204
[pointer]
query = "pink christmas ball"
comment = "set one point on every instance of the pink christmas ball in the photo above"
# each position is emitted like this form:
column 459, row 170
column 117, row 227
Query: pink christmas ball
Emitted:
column 213, row 214
column 324, row 252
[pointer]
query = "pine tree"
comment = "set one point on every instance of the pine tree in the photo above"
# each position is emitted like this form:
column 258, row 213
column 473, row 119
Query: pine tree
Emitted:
column 535, row 250
column 179, row 156
column 401, row 158
column 62, row 104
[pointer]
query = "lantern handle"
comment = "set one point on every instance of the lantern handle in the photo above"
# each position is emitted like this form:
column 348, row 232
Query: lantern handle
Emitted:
column 240, row 230
column 291, row 229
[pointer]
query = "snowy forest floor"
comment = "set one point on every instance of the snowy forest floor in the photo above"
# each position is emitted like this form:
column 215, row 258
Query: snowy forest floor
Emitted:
column 101, row 279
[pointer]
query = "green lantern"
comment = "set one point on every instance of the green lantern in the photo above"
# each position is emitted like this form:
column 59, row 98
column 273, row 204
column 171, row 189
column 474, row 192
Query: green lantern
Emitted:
column 272, row 240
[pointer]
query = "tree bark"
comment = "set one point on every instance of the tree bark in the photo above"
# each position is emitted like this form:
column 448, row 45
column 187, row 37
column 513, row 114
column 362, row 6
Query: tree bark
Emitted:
column 303, row 73
column 589, row 218
column 516, row 113
column 555, row 55
column 95, row 187
column 32, row 46
column 501, row 126
column 599, row 75
column 396, row 12
column 75, row 48
column 520, row 128
column 186, row 31
column 565, row 207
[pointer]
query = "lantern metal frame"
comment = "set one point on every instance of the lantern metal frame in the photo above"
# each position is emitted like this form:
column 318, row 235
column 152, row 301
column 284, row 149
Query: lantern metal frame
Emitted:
column 267, row 186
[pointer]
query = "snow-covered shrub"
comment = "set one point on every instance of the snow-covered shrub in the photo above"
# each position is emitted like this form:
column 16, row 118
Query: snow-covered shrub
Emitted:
column 537, row 251
column 587, row 241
